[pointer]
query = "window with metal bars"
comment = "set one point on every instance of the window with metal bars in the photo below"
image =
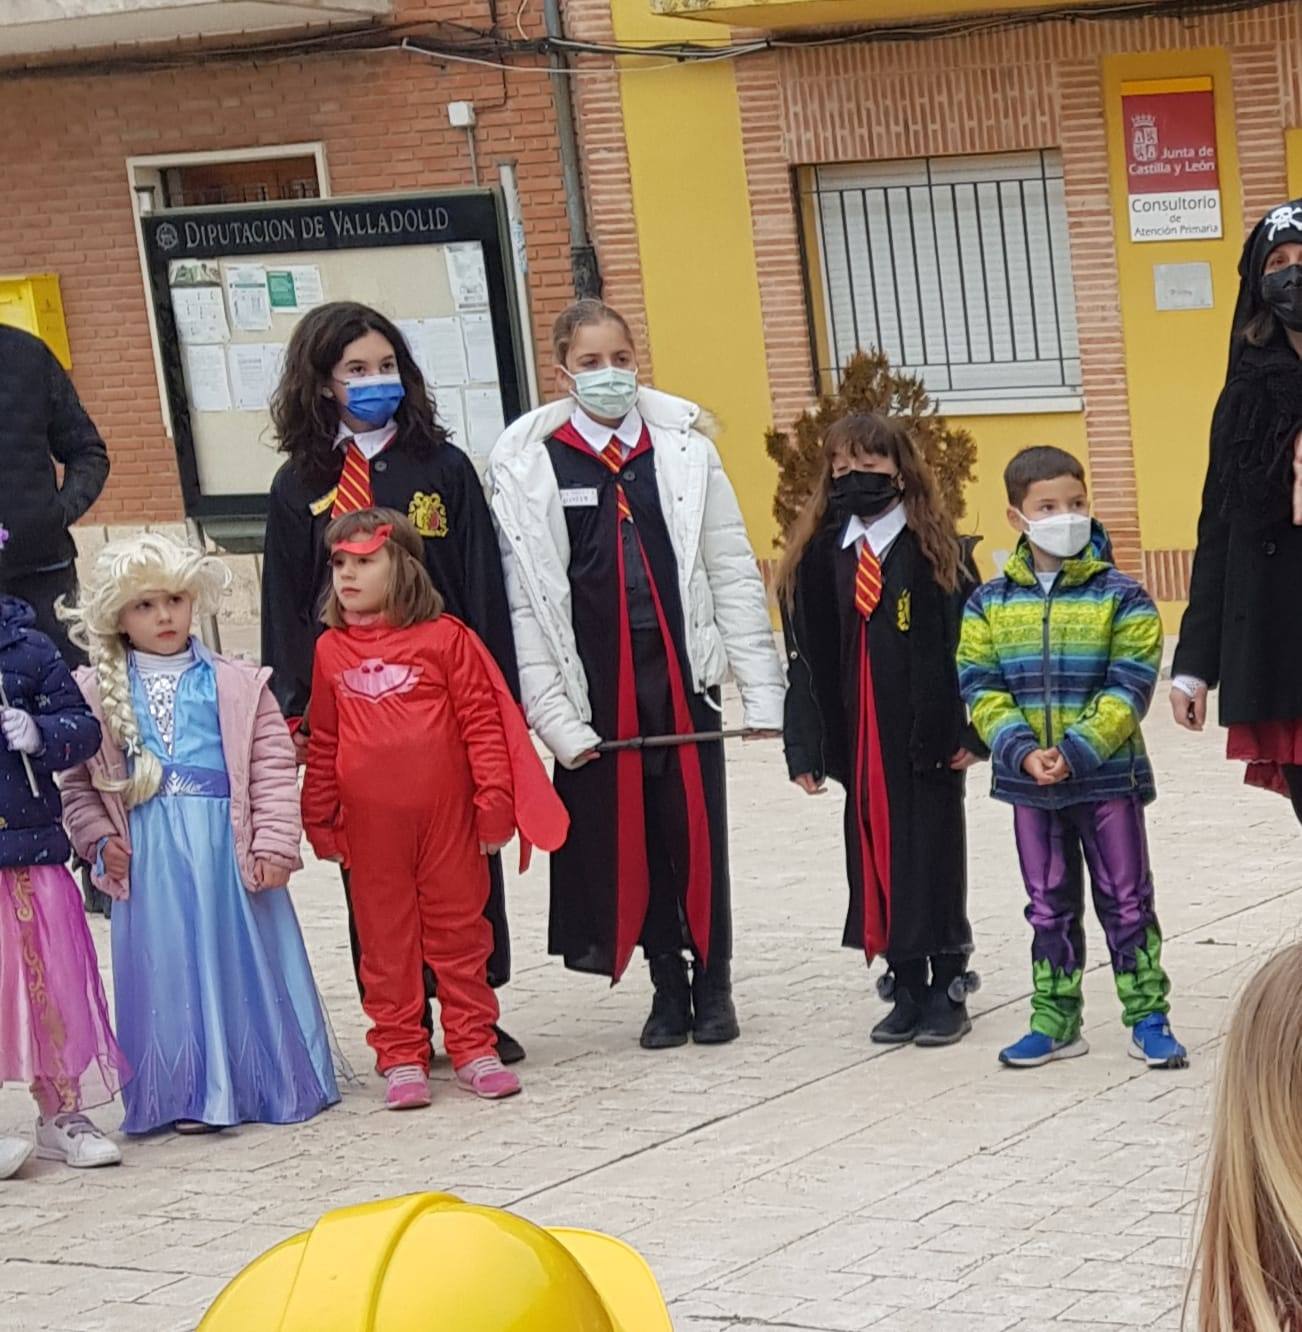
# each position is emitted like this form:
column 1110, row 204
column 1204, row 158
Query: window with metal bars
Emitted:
column 958, row 268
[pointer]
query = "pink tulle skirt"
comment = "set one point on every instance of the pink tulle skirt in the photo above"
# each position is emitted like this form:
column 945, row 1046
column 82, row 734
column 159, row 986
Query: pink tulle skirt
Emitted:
column 54, row 1025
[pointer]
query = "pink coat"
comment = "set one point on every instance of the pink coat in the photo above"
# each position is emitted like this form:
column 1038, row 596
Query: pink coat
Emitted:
column 259, row 759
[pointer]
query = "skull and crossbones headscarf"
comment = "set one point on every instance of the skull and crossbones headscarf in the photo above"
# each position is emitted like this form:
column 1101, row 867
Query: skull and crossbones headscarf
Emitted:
column 1281, row 226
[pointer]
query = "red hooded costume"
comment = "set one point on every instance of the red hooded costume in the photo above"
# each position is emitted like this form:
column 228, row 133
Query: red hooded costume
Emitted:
column 418, row 754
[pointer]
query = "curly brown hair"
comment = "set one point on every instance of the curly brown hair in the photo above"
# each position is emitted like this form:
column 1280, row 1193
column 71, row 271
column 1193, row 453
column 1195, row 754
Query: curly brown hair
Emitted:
column 410, row 597
column 871, row 435
column 306, row 420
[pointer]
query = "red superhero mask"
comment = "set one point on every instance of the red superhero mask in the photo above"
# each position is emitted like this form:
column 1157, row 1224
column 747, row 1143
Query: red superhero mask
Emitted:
column 364, row 543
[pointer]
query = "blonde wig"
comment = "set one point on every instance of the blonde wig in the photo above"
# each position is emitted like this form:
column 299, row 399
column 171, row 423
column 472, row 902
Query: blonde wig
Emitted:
column 126, row 571
column 1251, row 1243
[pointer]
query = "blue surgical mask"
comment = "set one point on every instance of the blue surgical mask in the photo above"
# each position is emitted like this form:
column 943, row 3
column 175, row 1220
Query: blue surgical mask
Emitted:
column 608, row 392
column 374, row 398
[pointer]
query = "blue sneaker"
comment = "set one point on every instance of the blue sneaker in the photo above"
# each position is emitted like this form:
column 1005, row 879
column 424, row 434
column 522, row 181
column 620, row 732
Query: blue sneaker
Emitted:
column 1154, row 1043
column 1035, row 1048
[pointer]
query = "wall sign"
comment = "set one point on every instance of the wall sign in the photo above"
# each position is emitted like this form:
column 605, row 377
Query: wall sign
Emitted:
column 1173, row 186
column 1182, row 286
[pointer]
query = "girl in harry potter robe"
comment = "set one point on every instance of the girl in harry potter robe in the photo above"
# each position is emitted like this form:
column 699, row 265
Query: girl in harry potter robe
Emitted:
column 358, row 427
column 633, row 589
column 871, row 589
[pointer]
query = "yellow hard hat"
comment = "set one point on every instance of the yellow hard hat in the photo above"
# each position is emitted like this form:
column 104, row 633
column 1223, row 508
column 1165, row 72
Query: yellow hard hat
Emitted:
column 429, row 1261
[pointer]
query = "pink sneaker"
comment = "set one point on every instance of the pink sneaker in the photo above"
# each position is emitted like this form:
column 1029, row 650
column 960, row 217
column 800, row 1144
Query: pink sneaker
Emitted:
column 408, row 1088
column 489, row 1078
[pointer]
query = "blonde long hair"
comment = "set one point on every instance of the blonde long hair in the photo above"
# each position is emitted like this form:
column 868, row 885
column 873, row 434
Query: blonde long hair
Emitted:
column 1251, row 1242
column 124, row 572
column 869, row 434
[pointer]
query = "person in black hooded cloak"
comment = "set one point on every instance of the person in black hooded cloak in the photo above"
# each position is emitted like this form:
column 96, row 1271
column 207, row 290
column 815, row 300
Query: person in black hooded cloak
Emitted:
column 1242, row 630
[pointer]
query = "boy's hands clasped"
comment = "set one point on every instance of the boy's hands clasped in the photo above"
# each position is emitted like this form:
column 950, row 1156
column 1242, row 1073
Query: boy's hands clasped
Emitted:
column 1046, row 767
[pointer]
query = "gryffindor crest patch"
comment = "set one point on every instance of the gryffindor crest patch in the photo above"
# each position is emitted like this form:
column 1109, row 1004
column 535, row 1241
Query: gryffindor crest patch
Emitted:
column 428, row 514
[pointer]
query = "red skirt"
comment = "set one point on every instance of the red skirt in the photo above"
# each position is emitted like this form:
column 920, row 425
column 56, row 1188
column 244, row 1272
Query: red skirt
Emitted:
column 1267, row 747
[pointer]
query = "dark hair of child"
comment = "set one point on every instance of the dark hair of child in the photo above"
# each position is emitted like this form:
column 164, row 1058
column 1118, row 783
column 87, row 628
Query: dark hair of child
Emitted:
column 410, row 597
column 871, row 435
column 1041, row 463
column 306, row 420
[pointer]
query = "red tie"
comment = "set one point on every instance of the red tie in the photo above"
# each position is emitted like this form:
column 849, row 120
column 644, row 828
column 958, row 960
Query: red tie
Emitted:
column 613, row 456
column 867, row 581
column 354, row 490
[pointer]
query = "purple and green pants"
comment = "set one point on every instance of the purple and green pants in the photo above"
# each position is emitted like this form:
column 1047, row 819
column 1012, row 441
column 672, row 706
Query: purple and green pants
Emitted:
column 1055, row 847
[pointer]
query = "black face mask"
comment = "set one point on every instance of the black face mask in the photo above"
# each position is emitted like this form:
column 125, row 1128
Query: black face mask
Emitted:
column 862, row 494
column 1282, row 291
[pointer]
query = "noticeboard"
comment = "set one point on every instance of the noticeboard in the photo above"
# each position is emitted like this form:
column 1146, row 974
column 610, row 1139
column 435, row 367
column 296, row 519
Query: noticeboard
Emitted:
column 229, row 284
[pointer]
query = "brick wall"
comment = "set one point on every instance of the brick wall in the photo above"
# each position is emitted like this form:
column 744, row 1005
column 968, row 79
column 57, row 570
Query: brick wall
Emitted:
column 1036, row 88
column 383, row 121
column 608, row 186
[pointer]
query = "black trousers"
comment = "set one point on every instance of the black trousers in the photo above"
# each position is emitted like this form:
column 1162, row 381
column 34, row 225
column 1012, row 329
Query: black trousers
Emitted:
column 41, row 591
column 499, row 963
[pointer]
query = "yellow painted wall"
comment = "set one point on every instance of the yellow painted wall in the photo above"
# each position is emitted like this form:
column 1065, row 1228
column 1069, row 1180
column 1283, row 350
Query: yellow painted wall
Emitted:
column 1293, row 160
column 998, row 438
column 1175, row 360
column 773, row 14
column 698, row 259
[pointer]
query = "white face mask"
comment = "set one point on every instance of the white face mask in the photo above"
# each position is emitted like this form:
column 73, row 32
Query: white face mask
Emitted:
column 1063, row 535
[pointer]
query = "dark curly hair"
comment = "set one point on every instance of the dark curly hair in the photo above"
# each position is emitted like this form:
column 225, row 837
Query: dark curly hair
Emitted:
column 306, row 421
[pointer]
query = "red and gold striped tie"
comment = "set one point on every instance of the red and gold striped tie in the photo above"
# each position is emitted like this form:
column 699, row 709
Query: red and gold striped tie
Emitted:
column 613, row 456
column 867, row 582
column 354, row 490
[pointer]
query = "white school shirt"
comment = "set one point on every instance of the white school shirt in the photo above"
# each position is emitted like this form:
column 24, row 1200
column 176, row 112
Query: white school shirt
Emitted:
column 370, row 443
column 596, row 436
column 880, row 533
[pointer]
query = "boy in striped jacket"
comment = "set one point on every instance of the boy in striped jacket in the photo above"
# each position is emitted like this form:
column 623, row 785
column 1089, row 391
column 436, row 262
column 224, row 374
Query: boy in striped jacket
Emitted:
column 1057, row 661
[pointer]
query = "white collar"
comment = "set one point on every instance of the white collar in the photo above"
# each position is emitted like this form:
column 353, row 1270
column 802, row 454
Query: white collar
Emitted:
column 880, row 534
column 369, row 442
column 597, row 436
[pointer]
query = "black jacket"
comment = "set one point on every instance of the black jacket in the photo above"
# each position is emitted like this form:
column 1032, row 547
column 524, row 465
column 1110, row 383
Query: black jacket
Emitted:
column 41, row 422
column 36, row 680
column 438, row 488
column 1243, row 627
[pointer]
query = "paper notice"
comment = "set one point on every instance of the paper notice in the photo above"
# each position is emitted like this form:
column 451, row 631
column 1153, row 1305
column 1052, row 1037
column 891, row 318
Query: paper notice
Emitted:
column 484, row 421
column 273, row 364
column 466, row 274
column 246, row 288
column 250, row 387
column 200, row 315
column 205, row 374
column 446, row 352
column 481, row 354
column 413, row 332
column 308, row 286
column 280, row 289
column 452, row 415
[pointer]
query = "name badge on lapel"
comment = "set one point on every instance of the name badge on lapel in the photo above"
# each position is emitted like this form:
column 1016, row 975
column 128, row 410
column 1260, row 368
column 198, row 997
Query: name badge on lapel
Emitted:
column 581, row 497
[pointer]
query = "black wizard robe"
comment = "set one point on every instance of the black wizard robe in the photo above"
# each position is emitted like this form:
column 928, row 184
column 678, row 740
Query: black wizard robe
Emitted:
column 875, row 706
column 438, row 489
column 646, row 860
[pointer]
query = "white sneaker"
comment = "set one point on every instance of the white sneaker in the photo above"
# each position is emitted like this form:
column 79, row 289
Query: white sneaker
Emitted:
column 13, row 1152
column 74, row 1140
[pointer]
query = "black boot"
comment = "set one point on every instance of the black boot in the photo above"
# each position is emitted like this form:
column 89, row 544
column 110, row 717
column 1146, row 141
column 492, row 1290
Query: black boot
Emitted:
column 945, row 1020
column 906, row 984
column 670, row 1022
column 716, row 1018
column 509, row 1050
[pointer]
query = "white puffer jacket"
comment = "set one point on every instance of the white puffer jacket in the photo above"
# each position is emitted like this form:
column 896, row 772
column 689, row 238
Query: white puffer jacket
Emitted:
column 727, row 618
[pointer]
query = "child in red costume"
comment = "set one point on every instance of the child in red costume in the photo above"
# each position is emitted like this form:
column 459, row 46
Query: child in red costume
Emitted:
column 419, row 767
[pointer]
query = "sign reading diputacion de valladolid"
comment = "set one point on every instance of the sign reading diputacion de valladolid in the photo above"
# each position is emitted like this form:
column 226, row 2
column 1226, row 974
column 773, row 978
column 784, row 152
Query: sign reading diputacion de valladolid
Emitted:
column 1173, row 186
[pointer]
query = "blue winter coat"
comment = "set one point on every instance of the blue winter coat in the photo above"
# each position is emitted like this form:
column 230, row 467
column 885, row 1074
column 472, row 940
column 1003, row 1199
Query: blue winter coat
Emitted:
column 37, row 681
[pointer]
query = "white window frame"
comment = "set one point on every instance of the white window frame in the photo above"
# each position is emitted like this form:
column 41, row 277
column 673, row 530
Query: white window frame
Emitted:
column 148, row 170
column 890, row 247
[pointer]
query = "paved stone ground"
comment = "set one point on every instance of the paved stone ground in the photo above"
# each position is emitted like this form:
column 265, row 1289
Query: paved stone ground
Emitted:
column 801, row 1179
